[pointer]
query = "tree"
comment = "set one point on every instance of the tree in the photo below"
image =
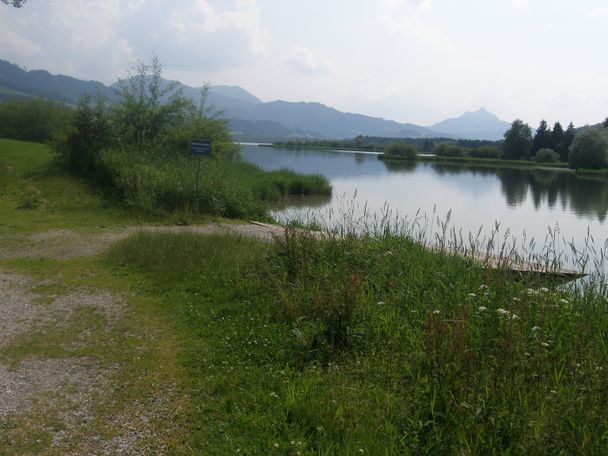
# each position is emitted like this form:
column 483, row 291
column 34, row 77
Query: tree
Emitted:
column 589, row 149
column 518, row 141
column 15, row 3
column 542, row 138
column 401, row 150
column 557, row 142
column 546, row 156
column 569, row 135
column 605, row 123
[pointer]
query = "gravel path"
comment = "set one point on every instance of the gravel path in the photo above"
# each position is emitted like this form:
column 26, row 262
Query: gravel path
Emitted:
column 64, row 390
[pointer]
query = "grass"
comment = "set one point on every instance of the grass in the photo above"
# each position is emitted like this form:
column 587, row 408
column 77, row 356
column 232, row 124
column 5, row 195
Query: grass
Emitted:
column 340, row 345
column 335, row 346
column 493, row 162
column 35, row 195
column 157, row 184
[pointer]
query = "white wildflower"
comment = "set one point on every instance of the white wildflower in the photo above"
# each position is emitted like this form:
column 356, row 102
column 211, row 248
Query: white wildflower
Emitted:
column 545, row 344
column 502, row 311
column 483, row 287
column 436, row 312
column 482, row 309
column 564, row 302
column 544, row 290
column 516, row 300
column 472, row 295
column 535, row 328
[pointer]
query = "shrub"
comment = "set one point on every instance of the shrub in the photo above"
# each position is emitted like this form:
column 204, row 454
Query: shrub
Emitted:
column 449, row 150
column 402, row 150
column 546, row 155
column 35, row 120
column 589, row 149
column 485, row 152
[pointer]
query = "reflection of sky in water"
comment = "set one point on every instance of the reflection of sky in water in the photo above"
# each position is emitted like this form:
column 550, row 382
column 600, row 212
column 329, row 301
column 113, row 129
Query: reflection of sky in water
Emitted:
column 521, row 200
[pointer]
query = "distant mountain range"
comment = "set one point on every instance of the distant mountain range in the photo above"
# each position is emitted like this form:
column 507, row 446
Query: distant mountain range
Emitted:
column 252, row 119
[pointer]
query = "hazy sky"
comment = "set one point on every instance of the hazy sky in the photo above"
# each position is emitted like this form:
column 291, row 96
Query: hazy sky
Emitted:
column 416, row 61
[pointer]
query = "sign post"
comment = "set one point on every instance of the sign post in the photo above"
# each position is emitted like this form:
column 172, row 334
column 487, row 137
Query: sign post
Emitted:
column 199, row 148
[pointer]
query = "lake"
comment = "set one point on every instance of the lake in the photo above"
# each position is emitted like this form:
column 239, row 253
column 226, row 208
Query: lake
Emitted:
column 526, row 203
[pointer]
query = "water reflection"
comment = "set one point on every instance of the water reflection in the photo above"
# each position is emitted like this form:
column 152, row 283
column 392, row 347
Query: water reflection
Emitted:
column 584, row 197
column 563, row 193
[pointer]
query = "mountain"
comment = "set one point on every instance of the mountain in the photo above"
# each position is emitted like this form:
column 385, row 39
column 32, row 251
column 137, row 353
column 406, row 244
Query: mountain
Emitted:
column 480, row 124
column 328, row 122
column 43, row 84
column 250, row 118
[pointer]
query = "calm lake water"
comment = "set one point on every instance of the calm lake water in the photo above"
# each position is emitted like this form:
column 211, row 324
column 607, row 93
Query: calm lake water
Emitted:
column 526, row 203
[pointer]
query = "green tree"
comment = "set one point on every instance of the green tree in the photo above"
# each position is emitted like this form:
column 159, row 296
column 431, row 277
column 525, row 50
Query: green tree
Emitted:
column 518, row 141
column 542, row 138
column 589, row 149
column 546, row 155
column 402, row 150
column 34, row 119
column 569, row 135
column 557, row 142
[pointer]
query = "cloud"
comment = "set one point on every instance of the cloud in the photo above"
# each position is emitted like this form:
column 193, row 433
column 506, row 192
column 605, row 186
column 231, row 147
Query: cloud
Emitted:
column 94, row 39
column 413, row 28
column 520, row 3
column 400, row 4
column 304, row 60
column 198, row 33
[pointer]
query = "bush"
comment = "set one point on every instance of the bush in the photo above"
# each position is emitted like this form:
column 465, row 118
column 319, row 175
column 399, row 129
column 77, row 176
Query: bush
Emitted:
column 402, row 150
column 546, row 155
column 37, row 119
column 485, row 152
column 589, row 149
column 449, row 150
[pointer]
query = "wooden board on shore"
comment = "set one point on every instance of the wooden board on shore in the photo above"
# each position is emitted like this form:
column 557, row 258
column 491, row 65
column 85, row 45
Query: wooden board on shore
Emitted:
column 487, row 260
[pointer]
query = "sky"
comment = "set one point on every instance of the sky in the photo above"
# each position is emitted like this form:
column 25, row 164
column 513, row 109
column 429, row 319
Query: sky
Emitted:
column 417, row 61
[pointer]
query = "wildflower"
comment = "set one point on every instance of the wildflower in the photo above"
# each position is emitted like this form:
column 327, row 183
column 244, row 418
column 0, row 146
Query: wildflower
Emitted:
column 545, row 344
column 483, row 287
column 553, row 392
column 516, row 300
column 514, row 316
column 544, row 290
column 482, row 309
column 436, row 312
column 388, row 252
column 535, row 328
column 564, row 302
column 531, row 292
column 380, row 303
column 273, row 394
column 276, row 445
column 472, row 295
column 320, row 428
column 502, row 311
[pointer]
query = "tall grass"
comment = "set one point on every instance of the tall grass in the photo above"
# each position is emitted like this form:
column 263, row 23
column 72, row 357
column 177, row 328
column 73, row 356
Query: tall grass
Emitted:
column 370, row 341
column 159, row 183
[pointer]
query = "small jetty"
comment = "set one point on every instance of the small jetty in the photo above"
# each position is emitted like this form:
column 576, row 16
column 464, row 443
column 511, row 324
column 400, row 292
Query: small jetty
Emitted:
column 487, row 260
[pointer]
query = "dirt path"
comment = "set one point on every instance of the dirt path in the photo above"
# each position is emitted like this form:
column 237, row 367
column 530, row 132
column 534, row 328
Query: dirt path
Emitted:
column 53, row 341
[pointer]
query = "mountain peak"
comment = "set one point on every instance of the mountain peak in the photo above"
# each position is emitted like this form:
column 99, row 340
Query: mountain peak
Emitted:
column 480, row 124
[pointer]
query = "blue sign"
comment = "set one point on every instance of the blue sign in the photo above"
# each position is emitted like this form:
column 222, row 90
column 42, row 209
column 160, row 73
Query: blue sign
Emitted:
column 200, row 148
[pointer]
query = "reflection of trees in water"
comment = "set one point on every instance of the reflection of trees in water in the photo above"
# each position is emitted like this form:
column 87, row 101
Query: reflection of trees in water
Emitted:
column 584, row 196
column 403, row 166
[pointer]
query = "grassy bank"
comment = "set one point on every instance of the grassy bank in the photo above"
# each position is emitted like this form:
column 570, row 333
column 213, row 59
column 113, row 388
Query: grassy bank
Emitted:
column 147, row 186
column 159, row 184
column 490, row 162
column 374, row 346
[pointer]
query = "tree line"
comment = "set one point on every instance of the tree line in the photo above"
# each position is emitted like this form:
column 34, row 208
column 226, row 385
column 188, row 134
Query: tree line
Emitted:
column 587, row 148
